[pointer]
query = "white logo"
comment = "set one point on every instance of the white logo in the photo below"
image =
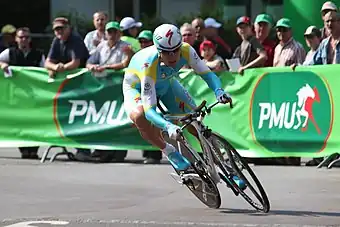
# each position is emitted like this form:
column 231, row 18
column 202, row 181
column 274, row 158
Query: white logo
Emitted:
column 290, row 114
column 31, row 223
column 105, row 115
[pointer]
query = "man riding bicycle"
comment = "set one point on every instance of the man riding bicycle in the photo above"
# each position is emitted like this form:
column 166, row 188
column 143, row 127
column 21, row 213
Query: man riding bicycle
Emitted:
column 151, row 75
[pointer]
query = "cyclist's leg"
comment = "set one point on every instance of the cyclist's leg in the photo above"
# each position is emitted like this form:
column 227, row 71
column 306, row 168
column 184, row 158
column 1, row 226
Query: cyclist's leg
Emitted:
column 178, row 101
column 134, row 109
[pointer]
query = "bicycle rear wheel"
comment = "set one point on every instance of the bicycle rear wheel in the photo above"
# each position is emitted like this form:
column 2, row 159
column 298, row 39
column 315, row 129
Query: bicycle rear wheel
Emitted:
column 234, row 166
column 204, row 188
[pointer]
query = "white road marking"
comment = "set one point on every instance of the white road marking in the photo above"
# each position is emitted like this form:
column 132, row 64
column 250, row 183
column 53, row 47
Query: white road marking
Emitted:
column 31, row 223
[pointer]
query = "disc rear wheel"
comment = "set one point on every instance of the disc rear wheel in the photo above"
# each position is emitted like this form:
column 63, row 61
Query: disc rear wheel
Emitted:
column 203, row 186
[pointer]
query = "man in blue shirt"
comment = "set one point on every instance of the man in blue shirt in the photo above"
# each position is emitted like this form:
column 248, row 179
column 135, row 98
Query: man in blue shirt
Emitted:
column 68, row 50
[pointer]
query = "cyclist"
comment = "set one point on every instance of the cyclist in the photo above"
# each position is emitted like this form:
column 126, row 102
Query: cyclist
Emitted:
column 151, row 75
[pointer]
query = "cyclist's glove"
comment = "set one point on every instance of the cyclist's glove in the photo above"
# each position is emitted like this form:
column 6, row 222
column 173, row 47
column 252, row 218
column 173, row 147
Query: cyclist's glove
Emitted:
column 173, row 131
column 222, row 96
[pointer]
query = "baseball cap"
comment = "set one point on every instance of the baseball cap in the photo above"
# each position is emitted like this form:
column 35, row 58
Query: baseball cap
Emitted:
column 263, row 18
column 8, row 29
column 329, row 6
column 207, row 43
column 313, row 30
column 211, row 22
column 145, row 34
column 112, row 24
column 243, row 20
column 60, row 22
column 284, row 22
column 129, row 22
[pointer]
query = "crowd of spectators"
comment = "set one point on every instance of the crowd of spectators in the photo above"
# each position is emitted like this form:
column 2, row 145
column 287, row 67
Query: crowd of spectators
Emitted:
column 112, row 44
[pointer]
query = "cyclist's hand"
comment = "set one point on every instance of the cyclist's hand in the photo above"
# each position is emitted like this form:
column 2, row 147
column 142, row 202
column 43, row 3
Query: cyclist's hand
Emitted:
column 222, row 96
column 173, row 131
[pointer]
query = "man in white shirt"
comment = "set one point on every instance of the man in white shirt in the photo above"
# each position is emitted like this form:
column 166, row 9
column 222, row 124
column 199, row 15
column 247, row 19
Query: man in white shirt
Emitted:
column 93, row 38
column 313, row 39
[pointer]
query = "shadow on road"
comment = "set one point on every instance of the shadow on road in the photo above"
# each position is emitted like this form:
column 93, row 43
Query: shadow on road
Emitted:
column 281, row 212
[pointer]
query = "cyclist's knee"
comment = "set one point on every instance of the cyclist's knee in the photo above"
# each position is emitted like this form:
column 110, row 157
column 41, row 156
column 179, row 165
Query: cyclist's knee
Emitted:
column 137, row 116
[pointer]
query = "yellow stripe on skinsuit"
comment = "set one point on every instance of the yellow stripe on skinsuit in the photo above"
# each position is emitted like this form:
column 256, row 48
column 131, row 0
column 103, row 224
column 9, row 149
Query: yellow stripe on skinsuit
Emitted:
column 151, row 71
column 185, row 51
column 133, row 71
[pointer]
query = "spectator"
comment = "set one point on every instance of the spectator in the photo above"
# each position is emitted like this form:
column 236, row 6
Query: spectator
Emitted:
column 251, row 53
column 67, row 52
column 313, row 39
column 198, row 25
column 145, row 38
column 23, row 55
column 110, row 54
column 328, row 52
column 211, row 33
column 329, row 49
column 93, row 38
column 212, row 60
column 188, row 33
column 327, row 7
column 188, row 36
column 263, row 24
column 288, row 51
column 130, row 28
column 8, row 37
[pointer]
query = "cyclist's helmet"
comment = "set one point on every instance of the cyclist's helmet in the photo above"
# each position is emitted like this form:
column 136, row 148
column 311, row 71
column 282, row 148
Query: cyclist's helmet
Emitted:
column 167, row 37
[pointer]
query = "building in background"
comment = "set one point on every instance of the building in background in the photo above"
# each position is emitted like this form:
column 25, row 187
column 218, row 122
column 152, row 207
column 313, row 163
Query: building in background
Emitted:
column 168, row 9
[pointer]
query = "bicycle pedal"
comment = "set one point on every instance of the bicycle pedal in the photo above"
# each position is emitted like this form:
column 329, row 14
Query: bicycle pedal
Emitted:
column 177, row 178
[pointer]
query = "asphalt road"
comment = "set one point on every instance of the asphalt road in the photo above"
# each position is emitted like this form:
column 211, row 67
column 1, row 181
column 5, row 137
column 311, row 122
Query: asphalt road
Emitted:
column 132, row 194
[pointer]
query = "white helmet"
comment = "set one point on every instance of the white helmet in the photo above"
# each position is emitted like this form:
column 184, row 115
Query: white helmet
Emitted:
column 167, row 37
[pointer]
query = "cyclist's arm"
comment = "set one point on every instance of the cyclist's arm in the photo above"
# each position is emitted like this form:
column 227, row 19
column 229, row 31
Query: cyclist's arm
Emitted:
column 202, row 69
column 149, row 100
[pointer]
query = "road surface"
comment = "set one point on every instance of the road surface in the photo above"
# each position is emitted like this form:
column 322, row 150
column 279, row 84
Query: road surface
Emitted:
column 132, row 194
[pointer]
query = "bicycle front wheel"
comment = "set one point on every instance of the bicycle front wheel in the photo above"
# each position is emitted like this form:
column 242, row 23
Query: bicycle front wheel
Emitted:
column 236, row 165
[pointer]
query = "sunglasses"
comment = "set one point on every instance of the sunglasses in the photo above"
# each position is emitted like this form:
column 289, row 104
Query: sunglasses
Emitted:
column 282, row 29
column 144, row 41
column 59, row 29
column 22, row 37
column 170, row 52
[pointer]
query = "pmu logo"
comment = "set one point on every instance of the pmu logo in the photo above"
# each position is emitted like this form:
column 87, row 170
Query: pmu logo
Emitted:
column 291, row 111
column 91, row 111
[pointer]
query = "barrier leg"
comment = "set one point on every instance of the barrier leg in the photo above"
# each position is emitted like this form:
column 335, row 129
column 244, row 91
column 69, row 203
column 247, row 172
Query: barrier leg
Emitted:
column 327, row 159
column 334, row 162
column 70, row 155
column 43, row 158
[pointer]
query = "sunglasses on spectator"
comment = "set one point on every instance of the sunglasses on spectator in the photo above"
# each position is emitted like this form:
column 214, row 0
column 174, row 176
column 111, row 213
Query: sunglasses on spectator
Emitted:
column 22, row 37
column 59, row 28
column 282, row 29
column 309, row 36
column 144, row 41
column 324, row 12
column 112, row 30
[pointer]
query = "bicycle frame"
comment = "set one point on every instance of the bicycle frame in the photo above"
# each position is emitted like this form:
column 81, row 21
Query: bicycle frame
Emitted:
column 202, row 131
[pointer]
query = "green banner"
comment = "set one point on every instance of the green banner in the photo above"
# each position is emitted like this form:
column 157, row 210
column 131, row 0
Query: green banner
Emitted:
column 277, row 112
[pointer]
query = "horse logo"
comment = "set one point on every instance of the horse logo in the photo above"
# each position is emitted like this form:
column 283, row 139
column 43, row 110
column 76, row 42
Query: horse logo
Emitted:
column 306, row 98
